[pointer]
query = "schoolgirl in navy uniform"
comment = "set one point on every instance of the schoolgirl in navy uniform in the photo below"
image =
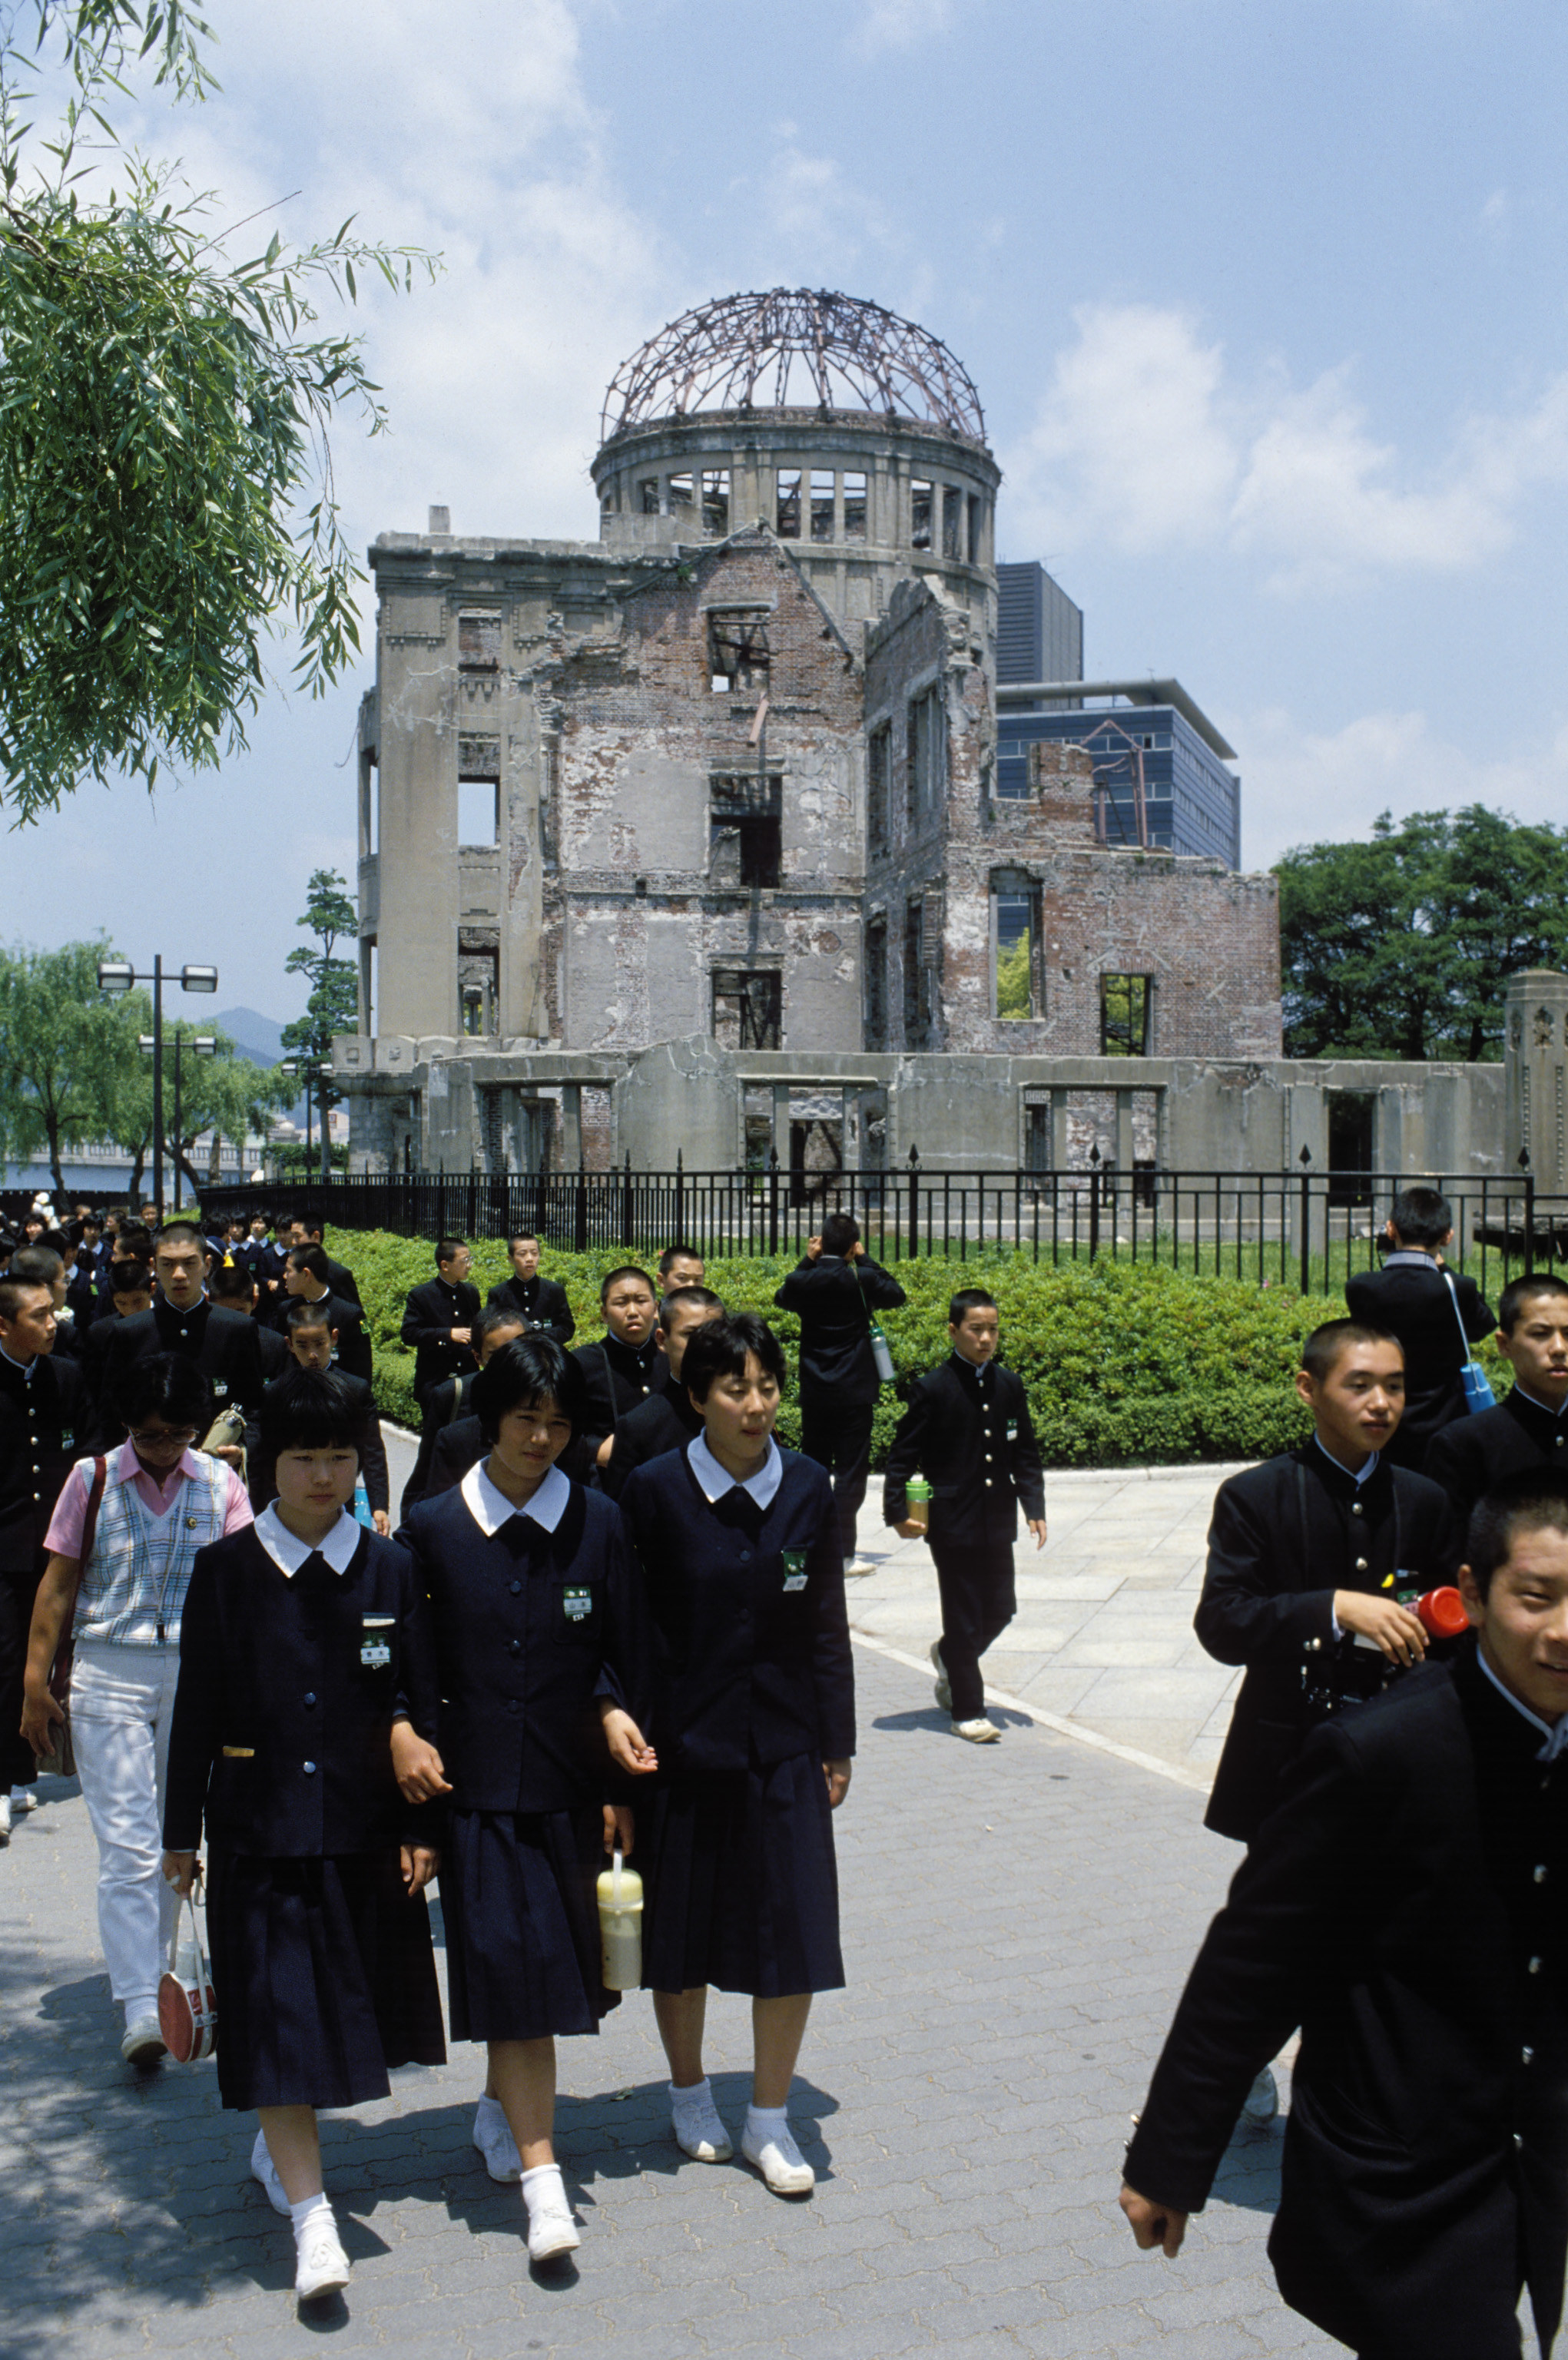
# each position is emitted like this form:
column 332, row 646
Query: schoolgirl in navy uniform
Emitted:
column 302, row 1636
column 533, row 1613
column 754, row 1727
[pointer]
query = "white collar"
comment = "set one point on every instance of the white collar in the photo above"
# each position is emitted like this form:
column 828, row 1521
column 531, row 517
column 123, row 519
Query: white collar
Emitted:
column 1410, row 1256
column 715, row 1480
column 1357, row 1479
column 1556, row 1738
column 490, row 1508
column 289, row 1552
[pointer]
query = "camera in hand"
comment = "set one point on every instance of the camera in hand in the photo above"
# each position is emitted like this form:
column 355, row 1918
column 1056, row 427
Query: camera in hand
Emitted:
column 1351, row 1669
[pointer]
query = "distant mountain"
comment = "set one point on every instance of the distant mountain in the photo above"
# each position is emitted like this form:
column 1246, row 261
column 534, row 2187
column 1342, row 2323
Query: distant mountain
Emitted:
column 255, row 1036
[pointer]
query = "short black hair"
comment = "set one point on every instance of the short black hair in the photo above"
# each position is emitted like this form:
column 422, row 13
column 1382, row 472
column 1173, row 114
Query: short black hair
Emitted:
column 1424, row 1217
column 720, row 1350
column 311, row 1223
column 1519, row 1291
column 522, row 1375
column 130, row 1278
column 134, row 1239
column 839, row 1232
column 521, row 1237
column 448, row 1248
column 308, row 1409
column 314, row 1260
column 1322, row 1348
column 494, row 1315
column 672, row 1255
column 163, row 1385
column 627, row 1270
column 968, row 1299
column 689, row 1298
column 182, row 1230
column 1534, row 1501
column 37, row 1265
column 302, row 1313
column 12, row 1290
column 231, row 1278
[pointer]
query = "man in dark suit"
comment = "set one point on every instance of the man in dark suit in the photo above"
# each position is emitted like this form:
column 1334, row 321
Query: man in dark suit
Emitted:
column 539, row 1302
column 833, row 1293
column 438, row 1319
column 1529, row 1426
column 305, row 1280
column 310, row 1345
column 624, row 1367
column 1414, row 1299
column 310, row 1231
column 667, row 1420
column 182, row 1320
column 968, row 1429
column 447, row 1432
column 42, row 1416
column 1407, row 1907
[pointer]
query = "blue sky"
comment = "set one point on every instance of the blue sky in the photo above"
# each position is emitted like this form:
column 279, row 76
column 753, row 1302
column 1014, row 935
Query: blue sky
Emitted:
column 1264, row 300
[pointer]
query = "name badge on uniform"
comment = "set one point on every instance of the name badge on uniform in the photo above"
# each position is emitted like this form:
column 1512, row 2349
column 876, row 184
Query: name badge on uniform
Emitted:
column 795, row 1569
column 220, row 1386
column 375, row 1652
column 1012, row 1434
column 577, row 1604
column 67, row 1439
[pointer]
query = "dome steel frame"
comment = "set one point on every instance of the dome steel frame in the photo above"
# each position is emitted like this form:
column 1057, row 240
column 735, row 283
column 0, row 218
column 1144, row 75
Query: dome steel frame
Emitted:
column 740, row 354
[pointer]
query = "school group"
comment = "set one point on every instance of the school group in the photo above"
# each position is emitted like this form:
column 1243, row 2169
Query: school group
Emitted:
column 612, row 1618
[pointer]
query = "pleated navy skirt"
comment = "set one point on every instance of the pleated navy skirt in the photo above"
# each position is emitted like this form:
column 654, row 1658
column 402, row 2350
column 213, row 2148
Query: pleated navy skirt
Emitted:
column 742, row 1882
column 523, row 1931
column 324, row 1976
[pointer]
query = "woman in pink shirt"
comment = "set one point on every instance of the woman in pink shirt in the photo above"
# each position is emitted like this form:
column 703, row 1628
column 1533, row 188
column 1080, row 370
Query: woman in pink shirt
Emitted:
column 123, row 1541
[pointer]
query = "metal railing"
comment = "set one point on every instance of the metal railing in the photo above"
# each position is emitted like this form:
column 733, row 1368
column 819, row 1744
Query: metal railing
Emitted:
column 1305, row 1228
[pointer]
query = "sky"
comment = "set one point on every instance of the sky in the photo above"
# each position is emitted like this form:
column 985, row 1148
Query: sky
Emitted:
column 1265, row 301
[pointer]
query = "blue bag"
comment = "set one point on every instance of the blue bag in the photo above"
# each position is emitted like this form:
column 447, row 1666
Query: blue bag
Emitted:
column 1478, row 1393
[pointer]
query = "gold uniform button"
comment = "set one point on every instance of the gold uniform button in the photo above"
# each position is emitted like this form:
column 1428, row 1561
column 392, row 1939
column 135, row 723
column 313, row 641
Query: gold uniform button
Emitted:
column 1361, row 1565
column 1534, row 1967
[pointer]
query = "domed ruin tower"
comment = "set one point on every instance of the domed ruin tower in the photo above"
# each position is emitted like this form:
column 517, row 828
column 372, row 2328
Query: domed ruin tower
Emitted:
column 854, row 435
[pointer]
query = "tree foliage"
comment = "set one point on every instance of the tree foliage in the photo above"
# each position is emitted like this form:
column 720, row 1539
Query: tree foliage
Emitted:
column 1400, row 947
column 333, row 1004
column 166, row 489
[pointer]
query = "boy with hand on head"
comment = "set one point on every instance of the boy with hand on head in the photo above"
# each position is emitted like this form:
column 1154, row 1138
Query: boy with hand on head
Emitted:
column 968, row 1429
column 1424, row 1308
column 1527, row 1428
column 833, row 1291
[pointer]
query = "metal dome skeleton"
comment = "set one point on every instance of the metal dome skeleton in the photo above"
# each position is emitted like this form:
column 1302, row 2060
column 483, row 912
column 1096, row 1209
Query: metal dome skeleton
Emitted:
column 750, row 353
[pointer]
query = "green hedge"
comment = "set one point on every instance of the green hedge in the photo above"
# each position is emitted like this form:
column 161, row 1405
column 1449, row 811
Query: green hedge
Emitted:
column 1125, row 1363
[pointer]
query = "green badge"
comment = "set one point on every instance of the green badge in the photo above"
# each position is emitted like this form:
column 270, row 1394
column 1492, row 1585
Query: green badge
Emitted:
column 578, row 1603
column 1012, row 1434
column 795, row 1569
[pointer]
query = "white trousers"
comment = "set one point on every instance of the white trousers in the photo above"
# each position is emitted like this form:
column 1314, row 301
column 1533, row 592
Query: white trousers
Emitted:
column 121, row 1702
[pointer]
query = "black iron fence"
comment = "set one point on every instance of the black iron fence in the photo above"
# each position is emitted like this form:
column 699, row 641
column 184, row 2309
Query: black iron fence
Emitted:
column 1302, row 1228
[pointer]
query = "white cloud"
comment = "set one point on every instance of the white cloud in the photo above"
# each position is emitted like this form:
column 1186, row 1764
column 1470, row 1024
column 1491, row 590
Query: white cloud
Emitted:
column 1145, row 440
column 900, row 25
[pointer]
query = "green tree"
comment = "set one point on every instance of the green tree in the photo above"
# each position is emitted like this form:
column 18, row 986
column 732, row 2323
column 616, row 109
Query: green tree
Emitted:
column 1015, row 979
column 333, row 1004
column 67, row 1054
column 1400, row 947
column 224, row 1093
column 166, row 489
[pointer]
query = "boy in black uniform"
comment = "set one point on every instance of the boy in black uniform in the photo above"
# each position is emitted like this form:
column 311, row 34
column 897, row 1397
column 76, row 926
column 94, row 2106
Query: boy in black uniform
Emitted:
column 1300, row 1551
column 450, row 1440
column 667, row 1420
column 310, row 1230
column 306, row 1280
column 438, row 1319
column 539, row 1302
column 623, row 1368
column 1423, row 1307
column 40, row 1410
column 833, row 1294
column 1528, row 1427
column 968, row 1429
column 183, row 1321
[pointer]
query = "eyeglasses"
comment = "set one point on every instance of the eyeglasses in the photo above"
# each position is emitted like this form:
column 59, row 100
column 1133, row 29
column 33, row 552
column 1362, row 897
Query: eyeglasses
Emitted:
column 168, row 1437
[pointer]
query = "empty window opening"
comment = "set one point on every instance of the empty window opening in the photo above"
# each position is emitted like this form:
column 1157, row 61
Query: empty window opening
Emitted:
column 748, row 1009
column 1124, row 1008
column 789, row 504
column 925, row 756
column 975, row 529
column 952, row 521
column 855, row 507
column 478, row 979
column 609, row 505
column 368, row 800
column 879, row 756
column 916, row 975
column 478, row 790
column 680, row 495
column 738, row 657
column 479, row 639
column 716, row 502
column 822, row 505
column 746, row 831
column 876, row 986
column 1014, row 943
column 1350, row 1115
column 920, row 514
column 648, row 495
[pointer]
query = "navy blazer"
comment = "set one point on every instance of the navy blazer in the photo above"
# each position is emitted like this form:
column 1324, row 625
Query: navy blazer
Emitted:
column 976, row 1450
column 753, row 1669
column 282, row 1735
column 530, row 1628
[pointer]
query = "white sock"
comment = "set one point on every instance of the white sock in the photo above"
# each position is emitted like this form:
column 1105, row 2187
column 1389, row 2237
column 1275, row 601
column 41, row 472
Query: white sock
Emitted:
column 764, row 2123
column 307, row 2208
column 496, row 2113
column 543, row 2190
column 21, row 1794
column 137, row 2010
column 698, row 2099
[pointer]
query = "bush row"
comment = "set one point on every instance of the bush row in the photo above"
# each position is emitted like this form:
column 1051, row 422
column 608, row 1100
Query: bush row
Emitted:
column 1125, row 1364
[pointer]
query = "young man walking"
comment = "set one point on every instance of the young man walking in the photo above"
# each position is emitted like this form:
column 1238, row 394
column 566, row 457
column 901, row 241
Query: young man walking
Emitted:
column 833, row 1293
column 1528, row 1425
column 1424, row 1307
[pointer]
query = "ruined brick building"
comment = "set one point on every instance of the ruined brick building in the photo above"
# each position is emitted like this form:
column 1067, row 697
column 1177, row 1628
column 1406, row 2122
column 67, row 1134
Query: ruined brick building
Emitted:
column 727, row 778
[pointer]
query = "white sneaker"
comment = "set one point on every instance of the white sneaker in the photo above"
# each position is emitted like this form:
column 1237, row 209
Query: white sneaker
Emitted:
column 979, row 1733
column 5, row 1821
column 1261, row 2100
column 780, row 2162
column 323, row 2265
column 492, row 2136
column 262, row 2168
column 142, row 2043
column 23, row 1799
column 700, row 2133
column 552, row 2230
column 944, row 1693
column 856, row 1566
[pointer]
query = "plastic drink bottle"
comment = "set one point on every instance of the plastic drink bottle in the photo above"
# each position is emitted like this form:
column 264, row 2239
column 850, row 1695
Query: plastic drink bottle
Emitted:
column 917, row 1498
column 362, row 1505
column 620, row 1925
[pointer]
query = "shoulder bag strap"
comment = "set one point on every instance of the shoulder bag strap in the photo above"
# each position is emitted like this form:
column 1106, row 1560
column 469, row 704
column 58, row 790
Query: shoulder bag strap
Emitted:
column 1447, row 1278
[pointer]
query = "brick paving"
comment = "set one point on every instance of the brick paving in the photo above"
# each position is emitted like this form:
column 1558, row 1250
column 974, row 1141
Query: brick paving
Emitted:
column 1017, row 1923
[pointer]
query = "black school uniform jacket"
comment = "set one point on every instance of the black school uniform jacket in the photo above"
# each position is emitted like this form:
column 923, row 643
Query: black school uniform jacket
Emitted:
column 753, row 1669
column 442, row 1407
column 665, row 1421
column 222, row 1343
column 282, row 1735
column 972, row 1440
column 433, row 1310
column 530, row 1628
column 344, row 1286
column 262, row 1466
column 1410, row 1300
column 617, row 1378
column 1407, row 1907
column 833, row 1298
column 42, row 1434
column 352, row 1356
column 1283, row 1539
column 539, row 1300
column 458, row 1446
column 1468, row 1456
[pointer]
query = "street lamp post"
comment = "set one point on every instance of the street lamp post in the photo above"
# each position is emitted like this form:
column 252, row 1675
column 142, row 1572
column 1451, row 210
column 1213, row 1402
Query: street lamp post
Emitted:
column 118, row 975
column 202, row 1045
